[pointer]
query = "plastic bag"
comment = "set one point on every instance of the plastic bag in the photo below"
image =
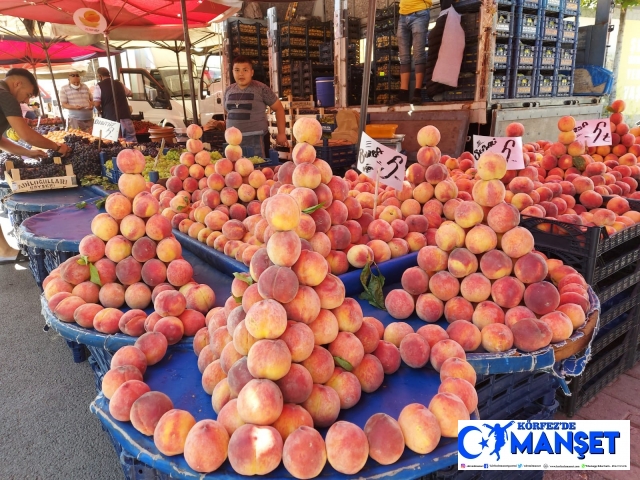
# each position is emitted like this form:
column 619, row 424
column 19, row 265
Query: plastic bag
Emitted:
column 449, row 62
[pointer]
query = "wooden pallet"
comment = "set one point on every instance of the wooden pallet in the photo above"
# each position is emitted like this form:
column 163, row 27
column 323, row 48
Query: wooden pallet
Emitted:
column 51, row 183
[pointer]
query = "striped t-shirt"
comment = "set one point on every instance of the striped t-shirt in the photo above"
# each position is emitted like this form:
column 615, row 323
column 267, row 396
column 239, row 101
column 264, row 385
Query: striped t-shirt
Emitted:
column 81, row 96
column 246, row 109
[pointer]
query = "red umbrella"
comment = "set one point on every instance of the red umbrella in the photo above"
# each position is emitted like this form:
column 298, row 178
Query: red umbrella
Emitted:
column 117, row 12
column 17, row 50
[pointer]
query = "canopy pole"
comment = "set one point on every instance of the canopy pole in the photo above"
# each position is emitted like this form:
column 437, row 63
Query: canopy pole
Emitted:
column 366, row 76
column 113, row 88
column 187, row 48
column 53, row 79
column 33, row 65
column 184, row 105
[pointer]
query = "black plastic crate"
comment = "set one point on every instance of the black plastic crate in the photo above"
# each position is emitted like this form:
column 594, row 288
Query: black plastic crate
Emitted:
column 470, row 23
column 522, row 86
column 133, row 468
column 611, row 351
column 465, row 5
column 501, row 56
column 547, row 57
column 387, row 83
column 505, row 24
column 452, row 472
column 386, row 98
column 389, row 69
column 386, row 40
column 466, row 89
column 470, row 58
column 505, row 396
column 500, row 86
column 391, row 11
column 544, row 85
column 384, row 55
column 564, row 86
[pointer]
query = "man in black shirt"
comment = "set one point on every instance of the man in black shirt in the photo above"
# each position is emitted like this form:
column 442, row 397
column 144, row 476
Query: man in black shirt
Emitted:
column 107, row 105
column 18, row 87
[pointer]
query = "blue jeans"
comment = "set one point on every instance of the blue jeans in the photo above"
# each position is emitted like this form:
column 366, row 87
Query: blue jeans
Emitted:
column 412, row 30
column 128, row 130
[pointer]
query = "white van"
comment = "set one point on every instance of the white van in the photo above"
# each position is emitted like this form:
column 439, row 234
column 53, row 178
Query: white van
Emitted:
column 158, row 96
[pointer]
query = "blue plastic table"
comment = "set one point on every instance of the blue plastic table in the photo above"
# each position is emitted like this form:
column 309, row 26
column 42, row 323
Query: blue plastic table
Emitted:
column 177, row 376
column 103, row 345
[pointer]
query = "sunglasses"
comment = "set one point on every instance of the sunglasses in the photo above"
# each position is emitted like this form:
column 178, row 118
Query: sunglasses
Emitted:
column 74, row 75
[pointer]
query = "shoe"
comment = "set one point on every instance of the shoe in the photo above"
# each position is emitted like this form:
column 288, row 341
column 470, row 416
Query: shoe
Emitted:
column 402, row 97
column 417, row 97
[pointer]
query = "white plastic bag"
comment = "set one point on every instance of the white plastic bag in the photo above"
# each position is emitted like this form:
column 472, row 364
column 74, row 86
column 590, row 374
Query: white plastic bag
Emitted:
column 449, row 61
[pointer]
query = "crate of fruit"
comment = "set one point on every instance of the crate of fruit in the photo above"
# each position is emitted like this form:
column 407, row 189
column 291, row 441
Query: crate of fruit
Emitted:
column 500, row 86
column 46, row 177
column 523, row 86
column 504, row 24
column 502, row 55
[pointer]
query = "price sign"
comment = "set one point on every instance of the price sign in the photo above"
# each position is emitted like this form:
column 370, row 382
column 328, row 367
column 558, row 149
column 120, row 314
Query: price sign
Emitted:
column 374, row 159
column 509, row 147
column 106, row 129
column 89, row 20
column 595, row 132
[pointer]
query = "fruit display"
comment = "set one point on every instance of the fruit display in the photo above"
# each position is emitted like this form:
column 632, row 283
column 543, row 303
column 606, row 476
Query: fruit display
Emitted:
column 59, row 136
column 132, row 260
column 98, row 180
column 142, row 126
column 216, row 125
column 283, row 356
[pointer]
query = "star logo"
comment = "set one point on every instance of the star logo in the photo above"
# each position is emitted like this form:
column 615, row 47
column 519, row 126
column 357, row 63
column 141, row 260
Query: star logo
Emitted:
column 484, row 443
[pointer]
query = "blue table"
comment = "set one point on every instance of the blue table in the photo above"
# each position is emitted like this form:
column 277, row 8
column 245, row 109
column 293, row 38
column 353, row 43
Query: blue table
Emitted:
column 103, row 345
column 177, row 376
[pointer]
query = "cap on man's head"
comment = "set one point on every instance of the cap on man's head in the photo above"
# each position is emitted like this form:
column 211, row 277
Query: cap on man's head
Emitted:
column 24, row 73
column 103, row 72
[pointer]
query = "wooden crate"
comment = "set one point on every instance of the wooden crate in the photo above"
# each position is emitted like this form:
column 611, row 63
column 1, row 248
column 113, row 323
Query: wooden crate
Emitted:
column 12, row 177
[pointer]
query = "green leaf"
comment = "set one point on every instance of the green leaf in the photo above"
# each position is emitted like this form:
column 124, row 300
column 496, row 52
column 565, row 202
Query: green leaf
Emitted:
column 245, row 277
column 100, row 203
column 372, row 285
column 341, row 362
column 83, row 260
column 237, row 299
column 310, row 210
column 95, row 276
column 81, row 205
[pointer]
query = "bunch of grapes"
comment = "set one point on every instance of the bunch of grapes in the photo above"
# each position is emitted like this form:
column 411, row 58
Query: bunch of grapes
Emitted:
column 42, row 171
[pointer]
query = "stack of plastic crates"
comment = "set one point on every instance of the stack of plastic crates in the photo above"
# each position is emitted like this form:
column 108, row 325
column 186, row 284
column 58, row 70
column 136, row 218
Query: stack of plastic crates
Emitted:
column 525, row 47
column 567, row 47
column 340, row 158
column 610, row 265
column 387, row 64
column 249, row 39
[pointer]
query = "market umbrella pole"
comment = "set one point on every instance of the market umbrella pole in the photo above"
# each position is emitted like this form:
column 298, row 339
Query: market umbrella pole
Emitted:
column 53, row 79
column 187, row 48
column 366, row 76
column 39, row 93
column 184, row 105
column 113, row 88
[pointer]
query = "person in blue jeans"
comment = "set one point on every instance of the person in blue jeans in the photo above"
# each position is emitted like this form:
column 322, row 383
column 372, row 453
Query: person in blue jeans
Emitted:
column 413, row 26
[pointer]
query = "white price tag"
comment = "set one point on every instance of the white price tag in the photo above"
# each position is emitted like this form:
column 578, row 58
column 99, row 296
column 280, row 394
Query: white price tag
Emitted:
column 375, row 159
column 595, row 132
column 106, row 129
column 509, row 147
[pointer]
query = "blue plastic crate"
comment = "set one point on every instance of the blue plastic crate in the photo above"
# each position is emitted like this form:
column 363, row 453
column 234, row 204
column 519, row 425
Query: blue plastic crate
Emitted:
column 544, row 84
column 505, row 24
column 571, row 7
column 568, row 31
column 500, row 86
column 528, row 25
column 551, row 28
column 502, row 56
column 337, row 156
column 252, row 145
column 524, row 56
column 113, row 174
column 554, row 5
column 521, row 86
column 547, row 57
column 564, row 85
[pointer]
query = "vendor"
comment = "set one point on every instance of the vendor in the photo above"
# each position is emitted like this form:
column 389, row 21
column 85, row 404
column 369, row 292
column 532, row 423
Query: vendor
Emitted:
column 18, row 87
column 245, row 104
column 76, row 98
column 413, row 26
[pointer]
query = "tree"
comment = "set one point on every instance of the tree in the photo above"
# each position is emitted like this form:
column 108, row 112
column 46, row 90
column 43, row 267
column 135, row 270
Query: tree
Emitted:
column 623, row 6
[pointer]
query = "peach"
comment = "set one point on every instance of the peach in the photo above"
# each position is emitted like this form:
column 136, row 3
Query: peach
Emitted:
column 206, row 444
column 517, row 242
column 399, row 304
column 449, row 236
column 488, row 193
column 386, row 441
column 325, row 327
column 255, row 450
column 266, row 319
column 531, row 268
column 462, row 263
column 229, row 418
column 296, row 385
column 560, row 324
column 432, row 259
column 171, row 431
column 468, row 214
column 445, row 349
column 414, row 350
column 428, row 136
column 270, row 359
column 347, row 386
column 507, row 292
column 429, row 307
column 448, row 409
column 420, row 428
column 455, row 367
column 117, row 376
column 503, row 217
column 461, row 389
column 123, row 398
column 514, row 315
column 92, row 247
column 132, row 322
column 307, row 130
column 497, row 337
column 117, row 206
column 491, row 166
column 304, row 454
column 347, row 447
column 260, row 402
column 170, row 327
column 111, row 295
column 530, row 335
column 147, row 410
column 84, row 314
column 278, row 283
column 541, row 297
column 348, row 348
column 320, row 364
column 370, row 373
column 292, row 418
column 415, row 281
column 153, row 345
column 359, row 255
column 107, row 320
column 331, row 292
column 129, row 271
column 444, row 285
column 389, row 356
column 466, row 334
column 323, row 405
column 495, row 264
column 575, row 313
column 170, row 303
column 131, row 184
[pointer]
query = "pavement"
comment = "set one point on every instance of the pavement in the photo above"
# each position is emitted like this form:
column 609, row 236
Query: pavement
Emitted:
column 46, row 427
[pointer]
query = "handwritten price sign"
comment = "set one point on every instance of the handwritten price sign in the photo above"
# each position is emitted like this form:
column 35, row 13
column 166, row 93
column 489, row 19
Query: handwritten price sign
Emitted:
column 374, row 159
column 509, row 147
column 595, row 132
column 106, row 129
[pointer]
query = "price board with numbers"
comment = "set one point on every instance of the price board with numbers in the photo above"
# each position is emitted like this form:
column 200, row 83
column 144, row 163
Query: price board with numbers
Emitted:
column 106, row 129
column 376, row 160
column 595, row 132
column 509, row 147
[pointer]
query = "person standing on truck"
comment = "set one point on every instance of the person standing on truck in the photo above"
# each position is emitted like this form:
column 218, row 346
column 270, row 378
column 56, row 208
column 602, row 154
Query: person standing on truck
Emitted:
column 18, row 87
column 413, row 26
column 76, row 98
column 106, row 104
column 245, row 104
